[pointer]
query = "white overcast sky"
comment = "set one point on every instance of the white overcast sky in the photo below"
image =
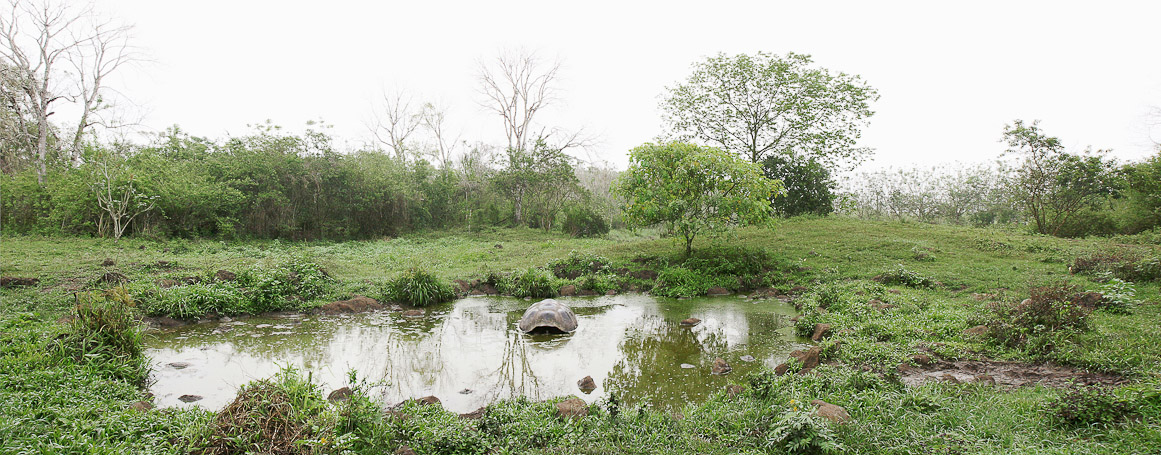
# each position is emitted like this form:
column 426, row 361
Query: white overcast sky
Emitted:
column 950, row 74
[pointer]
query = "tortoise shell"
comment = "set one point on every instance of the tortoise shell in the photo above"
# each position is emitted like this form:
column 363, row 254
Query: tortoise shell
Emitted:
column 548, row 315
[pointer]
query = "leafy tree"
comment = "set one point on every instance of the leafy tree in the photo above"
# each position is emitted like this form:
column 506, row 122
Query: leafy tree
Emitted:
column 1052, row 185
column 1143, row 194
column 693, row 189
column 763, row 105
column 808, row 185
column 538, row 181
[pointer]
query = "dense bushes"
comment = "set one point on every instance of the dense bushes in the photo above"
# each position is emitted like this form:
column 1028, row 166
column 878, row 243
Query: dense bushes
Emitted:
column 1047, row 317
column 289, row 285
column 270, row 184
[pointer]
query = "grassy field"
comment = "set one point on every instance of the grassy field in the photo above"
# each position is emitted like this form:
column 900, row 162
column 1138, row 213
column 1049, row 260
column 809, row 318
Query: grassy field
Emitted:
column 61, row 391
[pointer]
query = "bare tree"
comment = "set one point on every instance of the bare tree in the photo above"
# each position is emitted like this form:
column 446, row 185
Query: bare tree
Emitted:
column 433, row 118
column 40, row 40
column 517, row 85
column 395, row 123
column 117, row 194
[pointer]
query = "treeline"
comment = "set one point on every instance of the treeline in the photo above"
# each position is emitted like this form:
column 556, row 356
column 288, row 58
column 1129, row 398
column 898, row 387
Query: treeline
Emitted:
column 271, row 184
column 1038, row 184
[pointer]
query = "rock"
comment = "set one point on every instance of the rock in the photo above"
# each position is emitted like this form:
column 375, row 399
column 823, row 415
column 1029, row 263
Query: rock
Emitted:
column 611, row 292
column 166, row 283
column 225, row 275
column 15, row 282
column 226, row 319
column 191, row 280
column 166, row 321
column 921, row 359
column 548, row 315
column 568, row 291
column 429, row 400
column 178, row 365
column 462, row 287
column 809, row 358
column 499, row 246
column 413, row 313
column 586, row 292
column 644, row 275
column 690, row 322
column 164, row 264
column 893, row 291
column 950, row 378
column 465, row 391
column 798, row 290
column 342, row 394
column 572, row 408
column 357, row 304
column 717, row 291
column 747, row 358
column 820, row 331
column 977, row 331
column 721, row 367
column 189, row 398
column 687, row 366
column 404, row 450
column 832, row 412
column 108, row 262
column 587, row 384
column 986, row 379
column 141, row 406
column 733, row 390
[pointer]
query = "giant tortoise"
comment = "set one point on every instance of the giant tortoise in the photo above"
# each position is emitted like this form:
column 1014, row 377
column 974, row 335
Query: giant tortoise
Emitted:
column 548, row 316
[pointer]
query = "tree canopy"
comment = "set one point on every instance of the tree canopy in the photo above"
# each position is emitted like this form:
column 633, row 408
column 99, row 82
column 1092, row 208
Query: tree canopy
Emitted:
column 693, row 189
column 763, row 105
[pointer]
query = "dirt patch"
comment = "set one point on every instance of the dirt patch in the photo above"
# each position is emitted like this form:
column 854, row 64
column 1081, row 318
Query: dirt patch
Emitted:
column 1004, row 374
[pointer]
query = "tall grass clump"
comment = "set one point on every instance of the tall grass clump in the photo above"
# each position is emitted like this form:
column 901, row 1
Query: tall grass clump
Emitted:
column 194, row 300
column 285, row 286
column 1050, row 315
column 419, row 288
column 681, row 282
column 281, row 415
column 105, row 334
column 531, row 282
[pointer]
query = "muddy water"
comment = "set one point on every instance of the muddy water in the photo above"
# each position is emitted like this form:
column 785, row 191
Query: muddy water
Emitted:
column 469, row 353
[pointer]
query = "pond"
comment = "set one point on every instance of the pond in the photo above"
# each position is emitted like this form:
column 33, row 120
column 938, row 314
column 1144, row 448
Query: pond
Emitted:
column 469, row 353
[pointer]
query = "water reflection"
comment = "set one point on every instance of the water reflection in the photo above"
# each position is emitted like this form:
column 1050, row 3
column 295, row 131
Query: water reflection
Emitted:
column 470, row 353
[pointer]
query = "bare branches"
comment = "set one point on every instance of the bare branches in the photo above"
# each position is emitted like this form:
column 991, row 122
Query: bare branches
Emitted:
column 517, row 85
column 41, row 37
column 396, row 122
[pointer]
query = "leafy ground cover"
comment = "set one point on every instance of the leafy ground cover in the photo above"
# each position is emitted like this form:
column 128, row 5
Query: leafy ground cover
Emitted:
column 896, row 297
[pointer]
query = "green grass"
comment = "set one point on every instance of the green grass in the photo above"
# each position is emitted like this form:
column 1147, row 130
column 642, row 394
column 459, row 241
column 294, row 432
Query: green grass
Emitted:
column 50, row 401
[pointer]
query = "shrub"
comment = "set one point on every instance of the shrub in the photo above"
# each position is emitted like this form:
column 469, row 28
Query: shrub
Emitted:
column 1118, row 296
column 418, row 287
column 531, row 282
column 901, row 276
column 1083, row 406
column 284, row 286
column 583, row 221
column 1040, row 321
column 577, row 264
column 681, row 282
column 269, row 416
column 105, row 333
column 802, row 432
column 1125, row 265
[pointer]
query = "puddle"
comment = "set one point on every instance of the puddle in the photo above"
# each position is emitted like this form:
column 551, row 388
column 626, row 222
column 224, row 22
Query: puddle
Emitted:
column 469, row 353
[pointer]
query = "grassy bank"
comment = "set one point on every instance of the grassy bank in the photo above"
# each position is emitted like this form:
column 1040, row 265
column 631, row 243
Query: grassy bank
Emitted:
column 891, row 293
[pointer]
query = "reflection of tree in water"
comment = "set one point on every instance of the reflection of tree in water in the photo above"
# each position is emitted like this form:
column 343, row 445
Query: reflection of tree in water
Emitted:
column 514, row 377
column 651, row 358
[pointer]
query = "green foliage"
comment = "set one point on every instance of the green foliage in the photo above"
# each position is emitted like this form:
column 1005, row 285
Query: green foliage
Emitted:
column 270, row 416
column 1083, row 406
column 418, row 287
column 195, row 300
column 105, row 333
column 1118, row 296
column 761, row 105
column 578, row 264
column 681, row 282
column 531, row 282
column 693, row 190
column 801, row 432
column 1041, row 322
column 284, row 286
column 902, row 276
column 583, row 221
column 809, row 185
